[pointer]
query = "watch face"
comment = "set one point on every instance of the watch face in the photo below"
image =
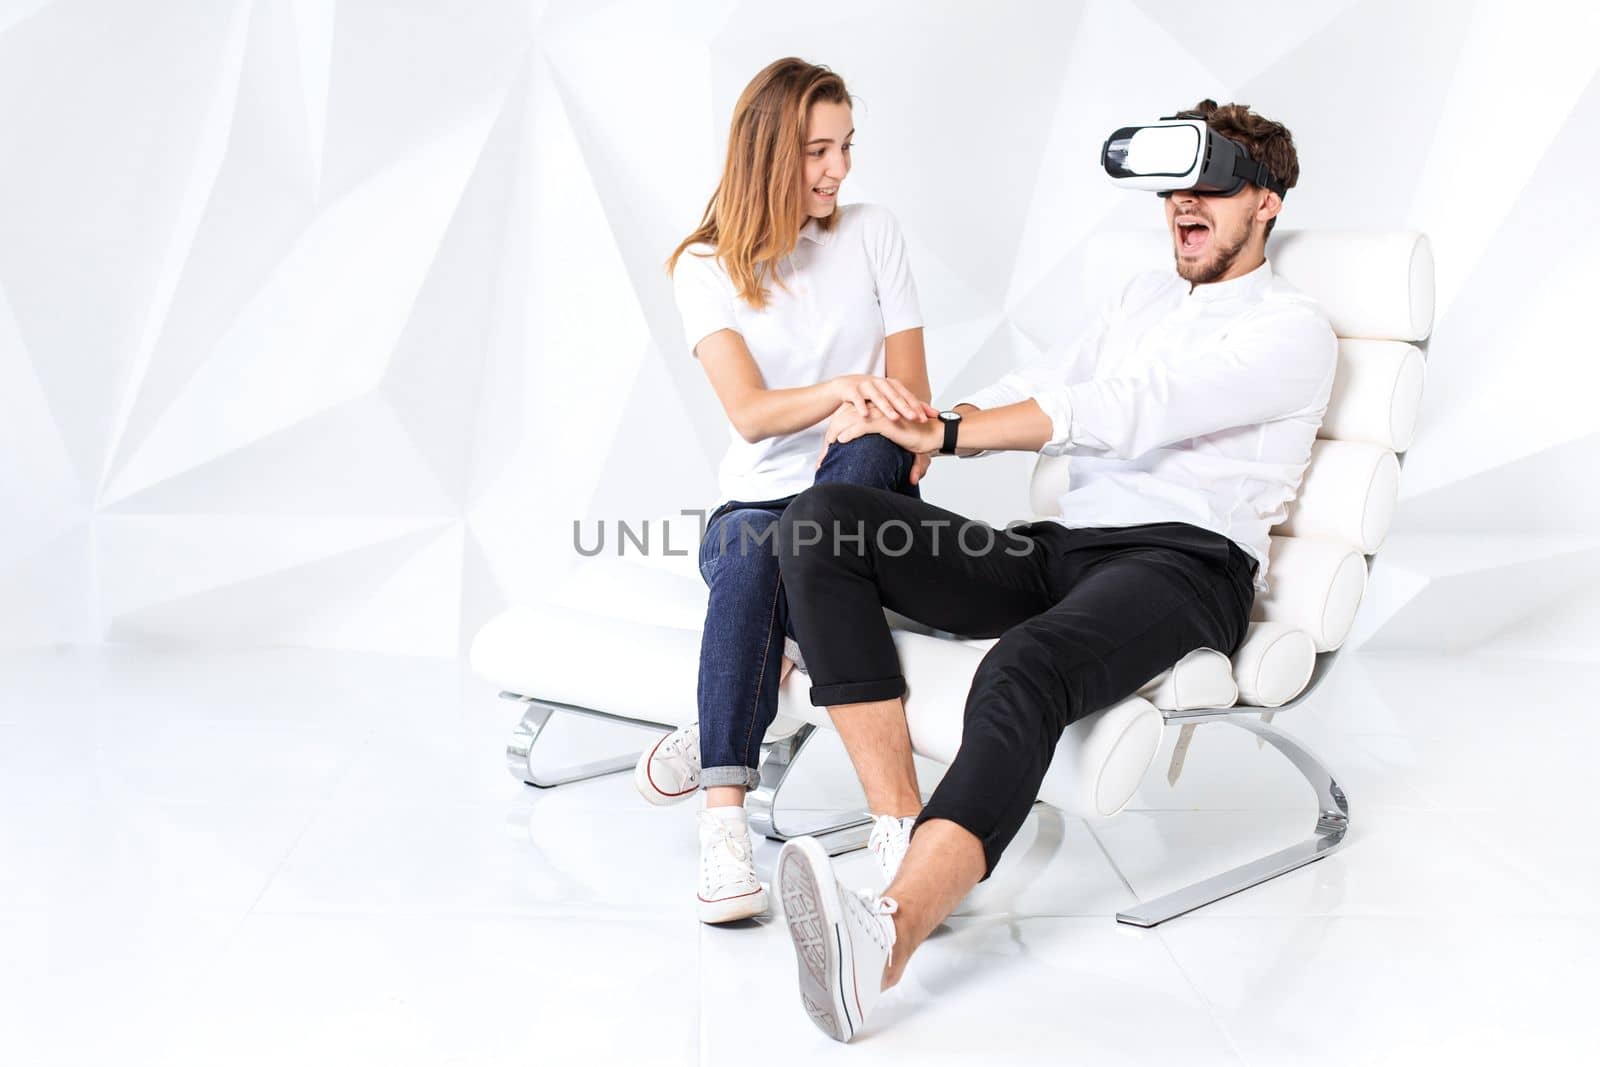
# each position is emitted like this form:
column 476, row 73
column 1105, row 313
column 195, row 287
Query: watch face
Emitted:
column 950, row 416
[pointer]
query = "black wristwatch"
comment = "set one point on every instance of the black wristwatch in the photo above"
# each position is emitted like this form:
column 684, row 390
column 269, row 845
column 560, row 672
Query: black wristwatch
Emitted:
column 952, row 423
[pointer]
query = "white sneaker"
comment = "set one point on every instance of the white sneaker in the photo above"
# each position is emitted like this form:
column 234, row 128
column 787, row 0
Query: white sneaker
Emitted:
column 842, row 939
column 729, row 888
column 888, row 842
column 669, row 771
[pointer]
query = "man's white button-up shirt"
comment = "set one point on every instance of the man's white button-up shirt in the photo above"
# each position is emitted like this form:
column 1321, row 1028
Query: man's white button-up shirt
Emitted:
column 1186, row 406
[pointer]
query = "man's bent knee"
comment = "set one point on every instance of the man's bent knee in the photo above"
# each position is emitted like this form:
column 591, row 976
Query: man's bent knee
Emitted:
column 813, row 523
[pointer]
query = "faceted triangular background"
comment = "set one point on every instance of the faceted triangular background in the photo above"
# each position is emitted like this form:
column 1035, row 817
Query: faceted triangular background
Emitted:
column 323, row 321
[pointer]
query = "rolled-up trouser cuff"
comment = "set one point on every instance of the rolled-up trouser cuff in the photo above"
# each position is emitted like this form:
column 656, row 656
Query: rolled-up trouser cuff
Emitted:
column 992, row 848
column 711, row 777
column 823, row 696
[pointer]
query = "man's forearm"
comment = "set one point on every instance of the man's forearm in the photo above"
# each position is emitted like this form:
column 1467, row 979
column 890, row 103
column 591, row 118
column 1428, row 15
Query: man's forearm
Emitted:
column 1019, row 427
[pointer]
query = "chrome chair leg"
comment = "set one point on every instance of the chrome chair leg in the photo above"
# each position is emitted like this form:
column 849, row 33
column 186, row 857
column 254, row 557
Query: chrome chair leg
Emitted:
column 841, row 832
column 1333, row 823
column 519, row 750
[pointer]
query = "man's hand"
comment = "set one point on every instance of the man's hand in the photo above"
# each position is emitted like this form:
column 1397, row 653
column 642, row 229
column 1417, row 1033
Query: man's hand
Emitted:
column 922, row 439
column 848, row 424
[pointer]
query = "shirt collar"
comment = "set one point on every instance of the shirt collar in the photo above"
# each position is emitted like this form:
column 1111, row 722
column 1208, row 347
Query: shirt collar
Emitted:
column 813, row 229
column 1244, row 286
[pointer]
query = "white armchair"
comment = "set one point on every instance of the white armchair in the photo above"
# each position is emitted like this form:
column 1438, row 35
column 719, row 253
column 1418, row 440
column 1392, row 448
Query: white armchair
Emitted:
column 1377, row 290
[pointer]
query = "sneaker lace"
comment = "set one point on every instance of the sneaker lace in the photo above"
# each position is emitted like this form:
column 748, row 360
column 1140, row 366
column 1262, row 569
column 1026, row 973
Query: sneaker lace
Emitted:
column 681, row 741
column 876, row 920
column 726, row 858
column 683, row 745
column 884, row 829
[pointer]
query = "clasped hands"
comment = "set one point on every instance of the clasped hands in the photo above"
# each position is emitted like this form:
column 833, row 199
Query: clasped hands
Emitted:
column 909, row 422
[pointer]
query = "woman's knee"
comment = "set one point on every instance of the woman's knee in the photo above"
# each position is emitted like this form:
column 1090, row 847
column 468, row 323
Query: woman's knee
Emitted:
column 871, row 459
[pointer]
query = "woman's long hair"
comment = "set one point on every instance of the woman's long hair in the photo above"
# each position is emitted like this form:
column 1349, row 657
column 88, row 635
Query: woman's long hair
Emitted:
column 754, row 217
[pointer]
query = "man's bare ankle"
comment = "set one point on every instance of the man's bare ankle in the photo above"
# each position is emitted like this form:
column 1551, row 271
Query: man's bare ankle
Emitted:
column 901, row 807
column 895, row 968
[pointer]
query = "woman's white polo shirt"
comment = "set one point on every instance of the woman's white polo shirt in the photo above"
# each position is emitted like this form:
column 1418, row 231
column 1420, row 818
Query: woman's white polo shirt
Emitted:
column 844, row 291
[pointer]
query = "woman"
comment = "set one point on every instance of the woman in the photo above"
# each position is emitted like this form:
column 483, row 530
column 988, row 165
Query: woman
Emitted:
column 795, row 306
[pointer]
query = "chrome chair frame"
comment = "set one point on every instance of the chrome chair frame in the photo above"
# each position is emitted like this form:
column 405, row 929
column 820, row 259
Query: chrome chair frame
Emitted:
column 525, row 735
column 1328, row 834
column 1333, row 807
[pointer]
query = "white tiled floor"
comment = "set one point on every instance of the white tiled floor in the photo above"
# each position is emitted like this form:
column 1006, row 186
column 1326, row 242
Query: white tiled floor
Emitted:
column 293, row 856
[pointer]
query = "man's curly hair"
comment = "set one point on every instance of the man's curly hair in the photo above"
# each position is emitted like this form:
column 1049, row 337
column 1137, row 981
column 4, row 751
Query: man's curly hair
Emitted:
column 1267, row 142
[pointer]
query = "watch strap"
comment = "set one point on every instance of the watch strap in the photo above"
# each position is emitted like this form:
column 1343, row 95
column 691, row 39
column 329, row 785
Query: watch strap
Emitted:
column 951, row 427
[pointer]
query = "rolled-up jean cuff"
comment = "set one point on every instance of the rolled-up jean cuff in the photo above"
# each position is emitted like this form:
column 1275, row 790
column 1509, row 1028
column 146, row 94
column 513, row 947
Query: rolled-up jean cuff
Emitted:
column 712, row 777
column 823, row 696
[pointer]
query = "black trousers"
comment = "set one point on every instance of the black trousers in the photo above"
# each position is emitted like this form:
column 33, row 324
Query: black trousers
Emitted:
column 1085, row 616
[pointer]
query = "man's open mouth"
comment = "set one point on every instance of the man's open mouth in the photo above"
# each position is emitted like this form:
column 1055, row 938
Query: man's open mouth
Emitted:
column 1193, row 236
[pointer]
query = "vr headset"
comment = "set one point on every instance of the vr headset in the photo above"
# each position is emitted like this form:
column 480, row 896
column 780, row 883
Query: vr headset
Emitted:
column 1180, row 152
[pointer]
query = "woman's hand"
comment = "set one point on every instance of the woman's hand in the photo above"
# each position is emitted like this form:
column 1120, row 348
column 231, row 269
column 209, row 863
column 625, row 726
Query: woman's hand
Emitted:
column 886, row 395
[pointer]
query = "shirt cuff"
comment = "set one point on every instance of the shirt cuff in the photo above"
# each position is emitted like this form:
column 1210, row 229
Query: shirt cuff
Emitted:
column 1057, row 404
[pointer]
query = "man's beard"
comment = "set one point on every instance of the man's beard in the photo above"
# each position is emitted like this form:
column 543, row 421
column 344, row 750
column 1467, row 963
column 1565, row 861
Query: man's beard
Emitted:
column 1205, row 272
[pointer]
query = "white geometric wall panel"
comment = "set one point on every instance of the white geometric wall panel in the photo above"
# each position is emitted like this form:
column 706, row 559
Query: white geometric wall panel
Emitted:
column 321, row 321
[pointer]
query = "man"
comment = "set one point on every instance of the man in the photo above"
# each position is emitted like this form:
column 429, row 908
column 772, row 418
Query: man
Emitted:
column 1190, row 407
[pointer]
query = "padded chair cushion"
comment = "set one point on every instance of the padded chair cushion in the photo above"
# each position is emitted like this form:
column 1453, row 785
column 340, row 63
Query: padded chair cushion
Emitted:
column 1273, row 664
column 1052, row 476
column 1101, row 759
column 632, row 588
column 1348, row 494
column 1316, row 586
column 1202, row 679
column 621, row 666
column 1377, row 285
column 1377, row 391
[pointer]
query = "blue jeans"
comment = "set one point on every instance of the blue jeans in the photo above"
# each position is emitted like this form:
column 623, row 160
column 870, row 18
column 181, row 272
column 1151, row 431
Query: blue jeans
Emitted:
column 747, row 616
